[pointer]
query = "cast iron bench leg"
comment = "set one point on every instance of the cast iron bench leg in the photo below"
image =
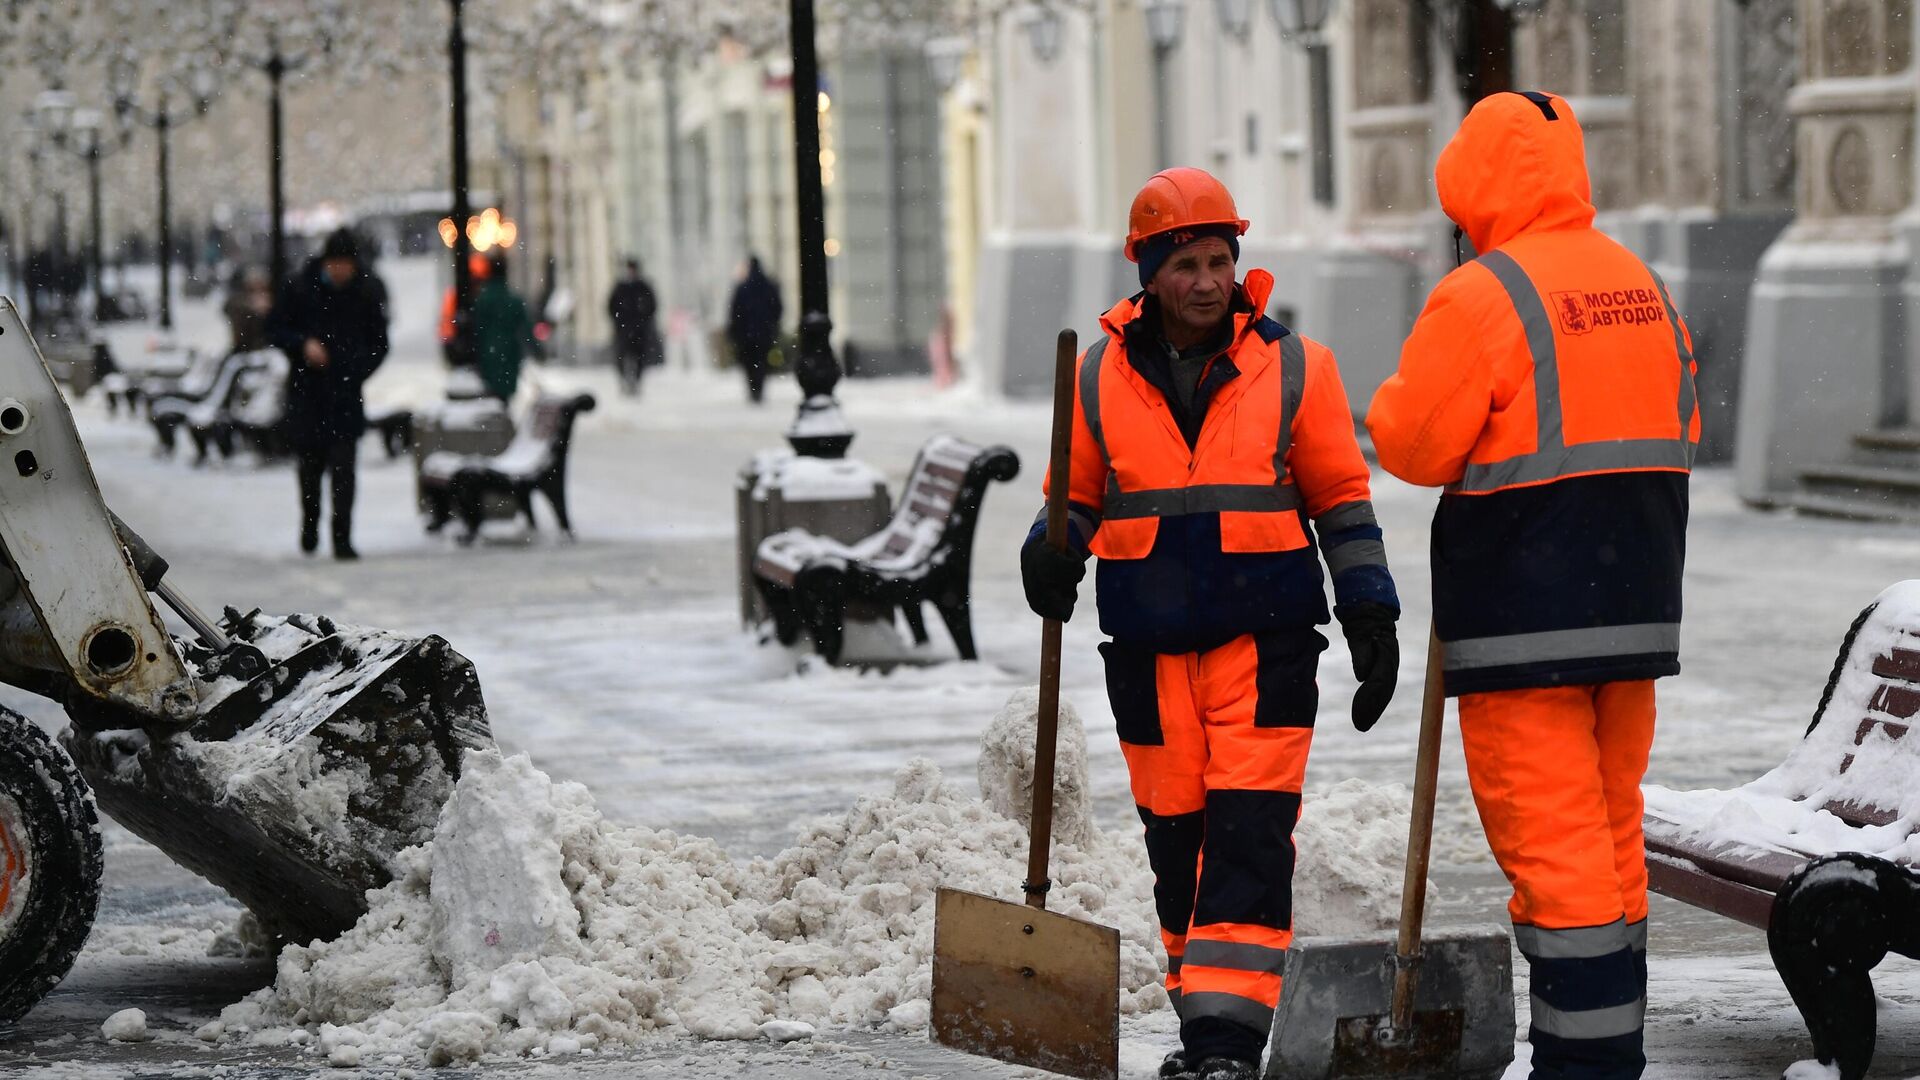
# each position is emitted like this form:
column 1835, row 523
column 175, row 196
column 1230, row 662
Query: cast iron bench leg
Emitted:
column 1833, row 920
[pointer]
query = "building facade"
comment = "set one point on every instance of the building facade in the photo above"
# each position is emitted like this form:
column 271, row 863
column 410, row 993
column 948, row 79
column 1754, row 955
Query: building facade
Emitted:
column 1755, row 152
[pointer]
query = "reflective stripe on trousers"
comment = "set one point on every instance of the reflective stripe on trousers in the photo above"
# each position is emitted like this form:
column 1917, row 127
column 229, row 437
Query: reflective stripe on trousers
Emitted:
column 1553, row 458
column 1202, row 498
column 1216, row 745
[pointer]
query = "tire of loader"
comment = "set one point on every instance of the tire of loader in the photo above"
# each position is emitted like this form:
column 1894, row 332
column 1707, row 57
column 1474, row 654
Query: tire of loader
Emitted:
column 49, row 864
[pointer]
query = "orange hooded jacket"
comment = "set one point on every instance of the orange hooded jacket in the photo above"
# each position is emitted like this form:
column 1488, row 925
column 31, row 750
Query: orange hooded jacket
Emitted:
column 1549, row 385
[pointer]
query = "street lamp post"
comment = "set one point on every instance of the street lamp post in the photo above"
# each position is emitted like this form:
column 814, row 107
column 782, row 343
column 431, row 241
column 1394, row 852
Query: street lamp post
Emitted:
column 1164, row 19
column 88, row 121
column 1302, row 22
column 818, row 428
column 462, row 207
column 276, row 69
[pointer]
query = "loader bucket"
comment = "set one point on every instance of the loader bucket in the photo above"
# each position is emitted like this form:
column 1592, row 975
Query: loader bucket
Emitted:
column 295, row 788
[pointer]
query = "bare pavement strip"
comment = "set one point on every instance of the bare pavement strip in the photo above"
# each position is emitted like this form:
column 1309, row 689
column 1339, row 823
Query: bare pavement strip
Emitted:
column 617, row 661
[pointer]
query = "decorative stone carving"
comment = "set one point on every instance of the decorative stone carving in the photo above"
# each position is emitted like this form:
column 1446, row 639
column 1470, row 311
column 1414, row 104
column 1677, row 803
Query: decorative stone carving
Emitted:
column 1849, row 173
column 1849, row 48
column 1384, row 187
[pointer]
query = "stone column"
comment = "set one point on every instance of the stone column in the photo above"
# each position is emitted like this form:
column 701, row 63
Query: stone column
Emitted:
column 1368, row 286
column 1827, row 348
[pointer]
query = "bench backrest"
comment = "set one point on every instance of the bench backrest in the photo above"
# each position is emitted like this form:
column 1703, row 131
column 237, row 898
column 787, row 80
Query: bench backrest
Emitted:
column 260, row 391
column 940, row 504
column 542, row 442
column 204, row 407
column 1856, row 759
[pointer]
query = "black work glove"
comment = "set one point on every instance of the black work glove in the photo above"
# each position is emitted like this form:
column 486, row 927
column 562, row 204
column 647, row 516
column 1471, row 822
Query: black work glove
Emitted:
column 1376, row 657
column 1052, row 579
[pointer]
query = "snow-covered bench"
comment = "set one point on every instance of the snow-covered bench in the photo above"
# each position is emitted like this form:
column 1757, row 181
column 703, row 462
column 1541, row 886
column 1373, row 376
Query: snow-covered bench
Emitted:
column 536, row 460
column 395, row 428
column 199, row 408
column 923, row 555
column 1819, row 851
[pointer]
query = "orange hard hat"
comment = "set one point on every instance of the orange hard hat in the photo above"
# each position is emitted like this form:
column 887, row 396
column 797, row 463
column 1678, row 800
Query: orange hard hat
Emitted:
column 1179, row 199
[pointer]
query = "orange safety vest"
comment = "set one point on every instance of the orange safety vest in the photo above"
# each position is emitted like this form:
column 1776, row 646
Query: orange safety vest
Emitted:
column 1201, row 544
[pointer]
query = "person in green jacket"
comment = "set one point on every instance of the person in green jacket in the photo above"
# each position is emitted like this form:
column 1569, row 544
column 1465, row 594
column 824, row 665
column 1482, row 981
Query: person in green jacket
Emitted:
column 502, row 331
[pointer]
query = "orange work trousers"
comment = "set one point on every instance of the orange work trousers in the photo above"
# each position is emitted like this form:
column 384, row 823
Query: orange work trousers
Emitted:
column 1216, row 745
column 1556, row 775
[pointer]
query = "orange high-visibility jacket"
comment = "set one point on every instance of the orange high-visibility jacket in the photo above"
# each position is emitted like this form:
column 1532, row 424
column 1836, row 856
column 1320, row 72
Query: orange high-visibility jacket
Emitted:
column 1199, row 545
column 1548, row 385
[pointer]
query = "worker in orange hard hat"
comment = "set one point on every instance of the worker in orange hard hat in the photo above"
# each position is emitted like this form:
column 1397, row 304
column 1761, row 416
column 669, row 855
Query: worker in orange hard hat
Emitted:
column 1549, row 386
column 1210, row 445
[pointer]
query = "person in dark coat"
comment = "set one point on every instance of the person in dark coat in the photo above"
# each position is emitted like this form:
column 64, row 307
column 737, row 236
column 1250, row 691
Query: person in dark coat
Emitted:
column 636, row 337
column 502, row 331
column 331, row 321
column 753, row 324
column 249, row 303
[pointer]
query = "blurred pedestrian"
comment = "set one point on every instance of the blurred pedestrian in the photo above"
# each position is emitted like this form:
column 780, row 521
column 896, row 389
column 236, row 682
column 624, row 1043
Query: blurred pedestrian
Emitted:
column 331, row 321
column 502, row 331
column 753, row 323
column 249, row 304
column 636, row 335
column 456, row 347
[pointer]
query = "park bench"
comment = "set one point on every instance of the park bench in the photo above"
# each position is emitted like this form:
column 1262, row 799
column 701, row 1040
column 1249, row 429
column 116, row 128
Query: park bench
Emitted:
column 395, row 429
column 198, row 408
column 924, row 555
column 1817, row 851
column 255, row 413
column 536, row 460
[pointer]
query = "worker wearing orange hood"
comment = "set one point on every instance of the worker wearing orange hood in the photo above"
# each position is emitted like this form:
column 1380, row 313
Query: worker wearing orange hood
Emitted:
column 1548, row 385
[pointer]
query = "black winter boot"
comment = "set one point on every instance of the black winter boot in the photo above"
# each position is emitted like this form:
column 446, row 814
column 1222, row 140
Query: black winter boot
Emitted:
column 1177, row 1066
column 1225, row 1068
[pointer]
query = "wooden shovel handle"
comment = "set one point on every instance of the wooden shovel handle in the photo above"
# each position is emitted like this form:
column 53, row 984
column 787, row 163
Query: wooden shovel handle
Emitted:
column 1048, row 728
column 1426, row 778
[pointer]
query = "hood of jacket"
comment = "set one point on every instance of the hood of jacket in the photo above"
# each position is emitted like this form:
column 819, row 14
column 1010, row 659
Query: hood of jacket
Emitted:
column 1517, row 165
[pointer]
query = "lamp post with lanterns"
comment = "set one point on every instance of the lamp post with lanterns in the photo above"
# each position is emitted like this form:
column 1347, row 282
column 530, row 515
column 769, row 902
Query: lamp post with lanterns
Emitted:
column 1303, row 23
column 818, row 428
column 1165, row 19
column 161, row 118
column 57, row 116
column 462, row 243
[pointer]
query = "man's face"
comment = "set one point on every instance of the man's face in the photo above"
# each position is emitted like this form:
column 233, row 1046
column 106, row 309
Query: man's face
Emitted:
column 339, row 270
column 1195, row 285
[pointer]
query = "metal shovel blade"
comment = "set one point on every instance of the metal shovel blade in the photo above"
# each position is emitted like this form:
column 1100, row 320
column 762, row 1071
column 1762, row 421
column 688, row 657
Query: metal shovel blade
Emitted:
column 1337, row 995
column 1026, row 986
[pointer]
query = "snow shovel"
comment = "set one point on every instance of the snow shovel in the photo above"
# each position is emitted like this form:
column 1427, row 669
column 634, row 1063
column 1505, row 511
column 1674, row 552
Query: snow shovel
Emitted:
column 1015, row 981
column 1409, row 1007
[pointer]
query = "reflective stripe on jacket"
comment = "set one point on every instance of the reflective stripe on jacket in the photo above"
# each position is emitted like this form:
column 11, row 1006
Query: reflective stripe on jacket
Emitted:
column 1201, row 544
column 1548, row 385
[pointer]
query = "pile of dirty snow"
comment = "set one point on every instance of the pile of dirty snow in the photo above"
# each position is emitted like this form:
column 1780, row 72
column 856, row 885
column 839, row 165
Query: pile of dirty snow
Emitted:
column 530, row 925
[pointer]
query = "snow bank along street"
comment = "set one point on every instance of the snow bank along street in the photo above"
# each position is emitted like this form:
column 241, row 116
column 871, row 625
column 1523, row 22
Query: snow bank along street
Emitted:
column 690, row 837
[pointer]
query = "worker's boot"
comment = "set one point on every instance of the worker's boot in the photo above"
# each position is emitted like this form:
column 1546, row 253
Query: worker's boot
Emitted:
column 1177, row 1066
column 1225, row 1068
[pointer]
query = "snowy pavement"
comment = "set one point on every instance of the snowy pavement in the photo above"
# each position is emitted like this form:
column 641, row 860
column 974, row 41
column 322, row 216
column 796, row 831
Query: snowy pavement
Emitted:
column 618, row 661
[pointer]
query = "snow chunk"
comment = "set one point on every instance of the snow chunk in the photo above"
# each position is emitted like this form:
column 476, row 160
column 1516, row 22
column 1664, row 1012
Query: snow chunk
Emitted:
column 1006, row 767
column 496, row 889
column 783, row 1031
column 1811, row 1070
column 127, row 1025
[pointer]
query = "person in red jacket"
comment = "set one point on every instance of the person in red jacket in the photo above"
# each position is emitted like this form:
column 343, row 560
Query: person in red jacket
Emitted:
column 1210, row 444
column 1549, row 386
